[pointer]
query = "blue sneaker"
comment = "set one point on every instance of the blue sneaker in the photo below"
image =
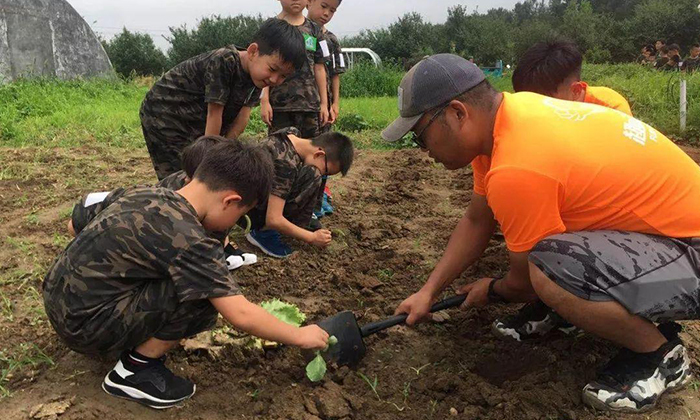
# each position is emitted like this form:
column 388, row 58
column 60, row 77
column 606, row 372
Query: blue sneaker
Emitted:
column 326, row 207
column 270, row 242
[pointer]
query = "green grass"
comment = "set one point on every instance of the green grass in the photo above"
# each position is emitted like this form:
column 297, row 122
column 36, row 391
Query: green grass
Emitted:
column 13, row 361
column 70, row 114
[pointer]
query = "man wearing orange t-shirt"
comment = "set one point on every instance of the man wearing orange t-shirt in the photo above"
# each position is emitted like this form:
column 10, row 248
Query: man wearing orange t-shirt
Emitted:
column 554, row 69
column 599, row 212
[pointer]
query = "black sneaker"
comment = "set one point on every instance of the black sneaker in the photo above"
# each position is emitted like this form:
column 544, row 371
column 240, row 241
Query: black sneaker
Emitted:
column 314, row 224
column 633, row 382
column 147, row 382
column 533, row 320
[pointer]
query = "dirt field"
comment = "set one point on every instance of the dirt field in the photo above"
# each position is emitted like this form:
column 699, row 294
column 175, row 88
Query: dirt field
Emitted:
column 395, row 212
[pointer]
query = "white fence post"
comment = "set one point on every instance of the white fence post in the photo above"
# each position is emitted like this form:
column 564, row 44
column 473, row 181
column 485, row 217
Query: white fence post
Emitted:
column 684, row 103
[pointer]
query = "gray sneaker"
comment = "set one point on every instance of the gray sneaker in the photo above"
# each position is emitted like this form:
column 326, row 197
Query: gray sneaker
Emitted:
column 633, row 382
column 534, row 320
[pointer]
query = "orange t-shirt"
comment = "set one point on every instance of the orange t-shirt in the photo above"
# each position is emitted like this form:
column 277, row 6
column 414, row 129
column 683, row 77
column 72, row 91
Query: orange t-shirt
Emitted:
column 607, row 97
column 560, row 166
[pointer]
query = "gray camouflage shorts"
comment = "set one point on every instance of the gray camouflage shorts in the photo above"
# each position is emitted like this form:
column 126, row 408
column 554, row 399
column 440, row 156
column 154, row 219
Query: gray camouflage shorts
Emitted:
column 655, row 277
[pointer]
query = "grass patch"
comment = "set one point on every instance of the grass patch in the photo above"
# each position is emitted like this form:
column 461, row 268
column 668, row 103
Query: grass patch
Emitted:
column 52, row 113
column 25, row 355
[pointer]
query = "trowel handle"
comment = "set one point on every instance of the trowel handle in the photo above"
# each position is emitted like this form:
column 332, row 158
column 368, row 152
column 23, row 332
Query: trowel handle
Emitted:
column 375, row 327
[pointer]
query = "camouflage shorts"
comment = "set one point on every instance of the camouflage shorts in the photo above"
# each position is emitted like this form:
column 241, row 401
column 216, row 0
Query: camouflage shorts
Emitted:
column 655, row 277
column 127, row 321
column 306, row 122
column 164, row 145
column 300, row 203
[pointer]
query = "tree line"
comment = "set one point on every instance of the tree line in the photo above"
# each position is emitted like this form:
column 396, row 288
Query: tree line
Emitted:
column 607, row 31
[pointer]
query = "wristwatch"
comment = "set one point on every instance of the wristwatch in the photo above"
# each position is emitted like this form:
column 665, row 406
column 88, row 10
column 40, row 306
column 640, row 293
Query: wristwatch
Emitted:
column 492, row 295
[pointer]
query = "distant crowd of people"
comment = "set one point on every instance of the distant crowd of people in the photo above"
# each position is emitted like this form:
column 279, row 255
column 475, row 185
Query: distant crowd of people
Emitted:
column 668, row 57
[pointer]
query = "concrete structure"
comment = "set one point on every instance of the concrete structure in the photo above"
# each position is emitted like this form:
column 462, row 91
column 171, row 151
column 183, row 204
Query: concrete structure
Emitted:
column 47, row 38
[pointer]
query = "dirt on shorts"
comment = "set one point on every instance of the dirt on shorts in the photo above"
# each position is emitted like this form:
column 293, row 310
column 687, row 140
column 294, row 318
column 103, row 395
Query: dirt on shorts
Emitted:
column 394, row 214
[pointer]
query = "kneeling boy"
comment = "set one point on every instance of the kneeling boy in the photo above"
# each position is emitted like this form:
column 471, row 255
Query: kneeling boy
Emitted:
column 554, row 69
column 300, row 165
column 144, row 274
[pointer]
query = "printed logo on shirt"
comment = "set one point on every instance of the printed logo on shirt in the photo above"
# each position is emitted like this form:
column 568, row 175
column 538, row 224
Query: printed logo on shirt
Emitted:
column 574, row 111
column 639, row 132
column 310, row 42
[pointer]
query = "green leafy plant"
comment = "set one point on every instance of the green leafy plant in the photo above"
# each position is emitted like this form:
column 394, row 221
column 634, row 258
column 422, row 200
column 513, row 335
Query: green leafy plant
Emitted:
column 316, row 369
column 285, row 312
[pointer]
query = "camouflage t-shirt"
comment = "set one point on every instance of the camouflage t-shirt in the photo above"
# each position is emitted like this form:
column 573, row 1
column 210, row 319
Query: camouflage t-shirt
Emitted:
column 174, row 181
column 178, row 102
column 300, row 91
column 287, row 161
column 691, row 64
column 335, row 62
column 146, row 235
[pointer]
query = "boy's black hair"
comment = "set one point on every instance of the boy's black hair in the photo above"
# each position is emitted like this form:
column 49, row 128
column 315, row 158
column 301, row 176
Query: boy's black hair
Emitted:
column 546, row 65
column 193, row 154
column 696, row 45
column 674, row 47
column 278, row 36
column 663, row 50
column 650, row 48
column 338, row 148
column 242, row 167
column 663, row 41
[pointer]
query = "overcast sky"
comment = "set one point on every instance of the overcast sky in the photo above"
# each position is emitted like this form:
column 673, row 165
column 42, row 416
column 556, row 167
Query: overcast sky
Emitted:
column 107, row 17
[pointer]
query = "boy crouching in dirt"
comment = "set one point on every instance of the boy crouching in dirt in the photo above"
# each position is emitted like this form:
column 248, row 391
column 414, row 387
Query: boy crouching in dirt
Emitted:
column 300, row 165
column 91, row 204
column 144, row 274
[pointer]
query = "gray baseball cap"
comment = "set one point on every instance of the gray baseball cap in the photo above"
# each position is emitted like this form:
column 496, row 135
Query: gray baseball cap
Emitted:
column 429, row 84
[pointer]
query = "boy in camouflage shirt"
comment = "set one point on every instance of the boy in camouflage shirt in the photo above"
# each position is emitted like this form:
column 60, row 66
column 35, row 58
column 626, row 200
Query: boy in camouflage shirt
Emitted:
column 302, row 100
column 92, row 204
column 144, row 274
column 212, row 93
column 692, row 63
column 296, row 188
column 321, row 12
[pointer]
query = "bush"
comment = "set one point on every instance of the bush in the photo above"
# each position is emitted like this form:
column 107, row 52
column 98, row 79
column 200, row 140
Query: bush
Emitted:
column 135, row 54
column 367, row 80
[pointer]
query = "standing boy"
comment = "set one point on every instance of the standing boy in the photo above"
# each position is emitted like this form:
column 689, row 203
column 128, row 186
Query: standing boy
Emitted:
column 144, row 274
column 302, row 100
column 554, row 69
column 212, row 94
column 296, row 188
column 321, row 12
column 692, row 63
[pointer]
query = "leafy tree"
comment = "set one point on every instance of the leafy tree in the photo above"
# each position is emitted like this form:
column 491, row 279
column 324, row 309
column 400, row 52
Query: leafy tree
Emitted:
column 211, row 33
column 133, row 53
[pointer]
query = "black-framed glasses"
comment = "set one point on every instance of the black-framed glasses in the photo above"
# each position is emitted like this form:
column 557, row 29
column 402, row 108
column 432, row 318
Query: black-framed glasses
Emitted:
column 325, row 159
column 417, row 138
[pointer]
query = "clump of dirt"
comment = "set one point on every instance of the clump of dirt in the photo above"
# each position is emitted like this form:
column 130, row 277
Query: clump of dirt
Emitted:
column 394, row 214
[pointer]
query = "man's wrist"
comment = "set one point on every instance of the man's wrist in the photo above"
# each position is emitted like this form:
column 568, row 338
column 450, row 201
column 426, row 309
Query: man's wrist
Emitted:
column 493, row 294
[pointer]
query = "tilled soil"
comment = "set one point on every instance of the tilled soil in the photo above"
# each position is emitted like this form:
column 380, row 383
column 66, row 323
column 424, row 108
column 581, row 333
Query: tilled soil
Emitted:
column 394, row 214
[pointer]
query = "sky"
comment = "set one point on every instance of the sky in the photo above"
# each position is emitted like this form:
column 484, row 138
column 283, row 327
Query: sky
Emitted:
column 108, row 17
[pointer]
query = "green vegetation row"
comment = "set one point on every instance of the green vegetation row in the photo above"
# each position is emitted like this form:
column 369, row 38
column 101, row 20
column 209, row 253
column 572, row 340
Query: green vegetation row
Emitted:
column 607, row 31
column 55, row 113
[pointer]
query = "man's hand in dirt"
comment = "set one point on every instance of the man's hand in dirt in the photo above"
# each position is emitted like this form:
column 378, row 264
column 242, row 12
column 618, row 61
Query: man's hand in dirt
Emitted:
column 478, row 293
column 321, row 238
column 312, row 337
column 266, row 113
column 417, row 306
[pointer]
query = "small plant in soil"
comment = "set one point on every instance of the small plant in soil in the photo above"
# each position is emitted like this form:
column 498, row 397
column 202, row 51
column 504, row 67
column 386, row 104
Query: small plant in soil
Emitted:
column 316, row 369
column 371, row 383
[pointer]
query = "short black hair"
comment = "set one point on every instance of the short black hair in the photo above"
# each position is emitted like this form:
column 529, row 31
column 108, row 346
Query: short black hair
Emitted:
column 546, row 65
column 663, row 41
column 242, row 167
column 696, row 45
column 193, row 154
column 338, row 148
column 663, row 50
column 277, row 36
column 674, row 47
column 480, row 96
column 650, row 48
